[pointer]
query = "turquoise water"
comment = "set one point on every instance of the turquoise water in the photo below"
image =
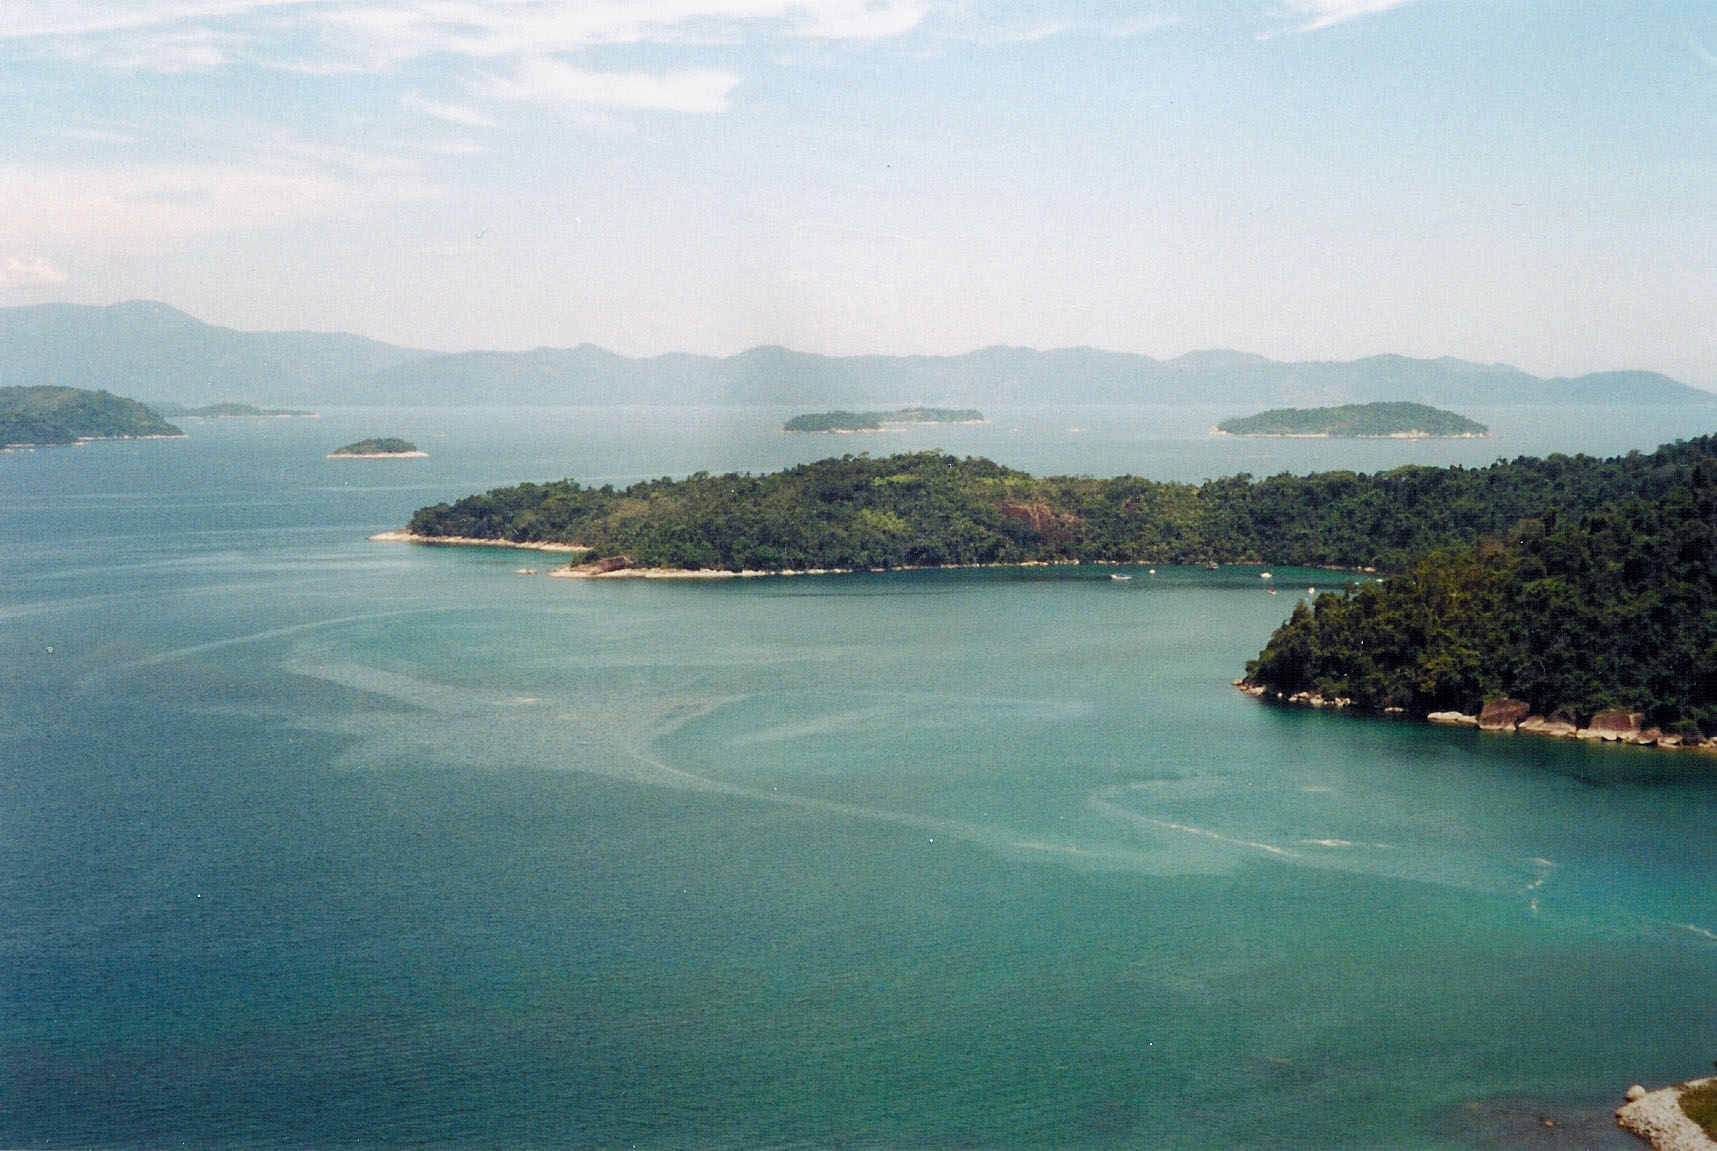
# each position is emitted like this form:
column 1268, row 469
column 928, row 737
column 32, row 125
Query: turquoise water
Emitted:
column 307, row 841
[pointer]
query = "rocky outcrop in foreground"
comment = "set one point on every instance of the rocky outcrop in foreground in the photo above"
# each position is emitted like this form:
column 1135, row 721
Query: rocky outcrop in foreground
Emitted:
column 1609, row 726
column 1503, row 714
column 1657, row 1117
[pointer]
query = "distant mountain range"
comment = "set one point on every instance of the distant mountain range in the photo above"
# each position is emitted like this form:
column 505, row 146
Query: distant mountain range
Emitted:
column 151, row 351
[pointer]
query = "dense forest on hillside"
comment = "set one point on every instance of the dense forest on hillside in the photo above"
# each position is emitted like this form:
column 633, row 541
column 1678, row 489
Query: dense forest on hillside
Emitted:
column 928, row 508
column 1611, row 607
column 53, row 415
column 1355, row 420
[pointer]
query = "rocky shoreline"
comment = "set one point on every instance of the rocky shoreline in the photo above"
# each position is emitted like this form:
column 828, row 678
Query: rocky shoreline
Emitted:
column 1513, row 715
column 1657, row 1117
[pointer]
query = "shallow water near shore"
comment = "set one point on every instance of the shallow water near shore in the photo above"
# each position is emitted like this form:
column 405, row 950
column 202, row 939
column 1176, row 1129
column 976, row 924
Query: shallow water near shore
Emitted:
column 312, row 841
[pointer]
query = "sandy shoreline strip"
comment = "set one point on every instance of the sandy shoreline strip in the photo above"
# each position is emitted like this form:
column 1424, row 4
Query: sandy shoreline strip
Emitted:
column 82, row 440
column 571, row 571
column 402, row 536
column 378, row 455
column 574, row 571
column 1657, row 1118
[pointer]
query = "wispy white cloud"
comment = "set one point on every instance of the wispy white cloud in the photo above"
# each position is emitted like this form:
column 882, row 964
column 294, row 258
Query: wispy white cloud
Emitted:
column 1700, row 50
column 1315, row 14
column 1141, row 26
column 382, row 33
column 102, row 136
column 29, row 272
column 1026, row 33
column 452, row 146
column 500, row 51
column 46, row 19
column 553, row 81
column 1025, row 23
column 136, row 208
column 448, row 113
column 860, row 19
column 385, row 34
column 172, row 53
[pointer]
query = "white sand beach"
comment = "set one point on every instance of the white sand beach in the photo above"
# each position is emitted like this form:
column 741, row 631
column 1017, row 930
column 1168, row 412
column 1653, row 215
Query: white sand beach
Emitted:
column 401, row 536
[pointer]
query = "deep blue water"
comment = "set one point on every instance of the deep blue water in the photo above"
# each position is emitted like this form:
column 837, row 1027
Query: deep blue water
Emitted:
column 307, row 841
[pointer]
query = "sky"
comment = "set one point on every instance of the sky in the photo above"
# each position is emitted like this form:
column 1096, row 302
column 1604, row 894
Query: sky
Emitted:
column 1514, row 181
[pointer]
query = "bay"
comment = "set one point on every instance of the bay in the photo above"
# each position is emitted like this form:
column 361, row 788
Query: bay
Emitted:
column 312, row 841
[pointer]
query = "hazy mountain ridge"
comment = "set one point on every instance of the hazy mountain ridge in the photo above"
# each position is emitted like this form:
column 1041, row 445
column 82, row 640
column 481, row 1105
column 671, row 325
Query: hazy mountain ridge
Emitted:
column 155, row 352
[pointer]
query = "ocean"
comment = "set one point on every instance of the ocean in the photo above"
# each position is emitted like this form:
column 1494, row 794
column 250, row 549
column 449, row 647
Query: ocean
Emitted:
column 311, row 841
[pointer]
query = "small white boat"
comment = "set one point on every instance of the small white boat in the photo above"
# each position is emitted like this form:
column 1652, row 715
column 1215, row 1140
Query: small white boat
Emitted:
column 1119, row 576
column 1265, row 575
column 526, row 571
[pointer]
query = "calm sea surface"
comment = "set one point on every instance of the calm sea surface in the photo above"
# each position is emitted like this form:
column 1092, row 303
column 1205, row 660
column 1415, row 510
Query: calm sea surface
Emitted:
column 307, row 841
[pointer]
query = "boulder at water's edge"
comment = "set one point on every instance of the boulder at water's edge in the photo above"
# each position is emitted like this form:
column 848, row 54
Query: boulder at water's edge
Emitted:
column 1503, row 714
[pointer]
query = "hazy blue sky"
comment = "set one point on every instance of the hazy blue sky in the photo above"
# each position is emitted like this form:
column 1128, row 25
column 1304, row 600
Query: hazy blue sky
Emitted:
column 1530, row 182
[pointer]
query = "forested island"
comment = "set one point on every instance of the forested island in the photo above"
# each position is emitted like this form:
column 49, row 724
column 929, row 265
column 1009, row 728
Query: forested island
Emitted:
column 877, row 421
column 46, row 415
column 386, row 447
column 1356, row 421
column 1569, row 582
column 228, row 410
column 1578, row 611
column 929, row 508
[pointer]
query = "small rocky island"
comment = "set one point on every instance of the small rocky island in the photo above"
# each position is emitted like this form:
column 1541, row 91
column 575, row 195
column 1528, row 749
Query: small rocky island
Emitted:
column 1356, row 421
column 39, row 416
column 840, row 421
column 384, row 448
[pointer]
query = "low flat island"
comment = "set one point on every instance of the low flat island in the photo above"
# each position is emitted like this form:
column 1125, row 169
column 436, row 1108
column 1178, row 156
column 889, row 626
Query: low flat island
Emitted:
column 1401, row 421
column 842, row 421
column 386, row 448
column 230, row 410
